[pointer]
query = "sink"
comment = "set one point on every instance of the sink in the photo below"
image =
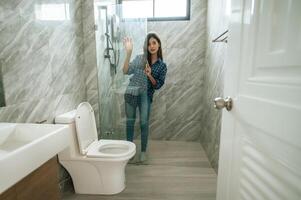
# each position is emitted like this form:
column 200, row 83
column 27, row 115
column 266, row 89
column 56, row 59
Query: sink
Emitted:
column 25, row 147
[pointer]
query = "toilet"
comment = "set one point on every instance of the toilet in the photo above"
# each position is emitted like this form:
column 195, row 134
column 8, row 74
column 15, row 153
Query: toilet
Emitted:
column 95, row 166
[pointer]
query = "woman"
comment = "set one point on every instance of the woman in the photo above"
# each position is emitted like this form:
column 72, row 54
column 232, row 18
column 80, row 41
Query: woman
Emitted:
column 148, row 72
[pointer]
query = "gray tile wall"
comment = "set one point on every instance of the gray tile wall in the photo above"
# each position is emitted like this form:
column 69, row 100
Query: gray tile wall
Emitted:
column 217, row 23
column 90, row 63
column 43, row 67
column 42, row 61
column 177, row 108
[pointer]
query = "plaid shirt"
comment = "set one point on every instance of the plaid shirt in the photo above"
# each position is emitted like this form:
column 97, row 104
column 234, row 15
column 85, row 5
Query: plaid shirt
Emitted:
column 139, row 82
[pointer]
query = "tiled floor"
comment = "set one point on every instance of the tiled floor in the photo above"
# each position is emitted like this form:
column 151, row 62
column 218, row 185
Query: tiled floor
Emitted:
column 175, row 171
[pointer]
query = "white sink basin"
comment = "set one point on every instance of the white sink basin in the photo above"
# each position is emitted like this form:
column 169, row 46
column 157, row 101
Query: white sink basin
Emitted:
column 25, row 147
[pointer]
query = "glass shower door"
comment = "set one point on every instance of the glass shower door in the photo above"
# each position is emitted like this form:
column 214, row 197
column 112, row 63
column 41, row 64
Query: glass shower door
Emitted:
column 112, row 83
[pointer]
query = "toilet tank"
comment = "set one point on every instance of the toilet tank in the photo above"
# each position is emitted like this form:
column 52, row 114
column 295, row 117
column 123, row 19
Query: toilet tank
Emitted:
column 69, row 119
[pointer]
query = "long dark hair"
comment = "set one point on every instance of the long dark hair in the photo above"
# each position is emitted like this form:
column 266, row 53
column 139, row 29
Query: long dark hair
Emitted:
column 145, row 48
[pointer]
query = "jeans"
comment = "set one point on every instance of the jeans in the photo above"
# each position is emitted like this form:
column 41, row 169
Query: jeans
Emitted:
column 144, row 106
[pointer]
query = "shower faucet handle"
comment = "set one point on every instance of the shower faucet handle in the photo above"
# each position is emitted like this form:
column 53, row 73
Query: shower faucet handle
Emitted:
column 220, row 103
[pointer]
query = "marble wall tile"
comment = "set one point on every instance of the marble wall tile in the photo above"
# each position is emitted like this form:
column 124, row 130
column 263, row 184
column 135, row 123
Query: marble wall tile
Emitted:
column 67, row 102
column 44, row 70
column 40, row 58
column 42, row 109
column 185, row 65
column 217, row 23
column 184, row 102
column 183, row 131
column 157, row 128
column 177, row 107
column 90, row 62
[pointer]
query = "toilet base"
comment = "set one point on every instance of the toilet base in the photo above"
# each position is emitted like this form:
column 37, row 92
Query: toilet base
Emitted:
column 96, row 177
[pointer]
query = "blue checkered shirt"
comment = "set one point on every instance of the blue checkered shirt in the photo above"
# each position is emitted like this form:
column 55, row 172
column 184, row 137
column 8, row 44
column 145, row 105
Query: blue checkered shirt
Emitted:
column 139, row 82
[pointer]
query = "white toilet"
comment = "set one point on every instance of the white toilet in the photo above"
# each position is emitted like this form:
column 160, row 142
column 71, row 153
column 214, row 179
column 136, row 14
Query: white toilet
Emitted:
column 96, row 166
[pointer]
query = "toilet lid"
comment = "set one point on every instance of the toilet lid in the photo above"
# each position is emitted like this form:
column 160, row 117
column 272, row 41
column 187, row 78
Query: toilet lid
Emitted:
column 85, row 126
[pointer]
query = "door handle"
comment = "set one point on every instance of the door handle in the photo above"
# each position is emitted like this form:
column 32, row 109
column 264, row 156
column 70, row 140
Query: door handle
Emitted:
column 220, row 103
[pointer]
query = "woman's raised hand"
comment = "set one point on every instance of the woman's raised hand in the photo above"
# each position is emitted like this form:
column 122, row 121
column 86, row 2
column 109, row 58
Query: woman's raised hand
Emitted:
column 147, row 69
column 128, row 44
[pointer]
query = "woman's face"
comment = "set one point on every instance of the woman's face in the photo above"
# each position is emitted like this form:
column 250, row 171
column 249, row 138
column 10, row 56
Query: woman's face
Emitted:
column 153, row 46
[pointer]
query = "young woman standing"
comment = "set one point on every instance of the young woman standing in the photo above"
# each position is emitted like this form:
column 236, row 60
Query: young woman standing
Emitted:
column 148, row 74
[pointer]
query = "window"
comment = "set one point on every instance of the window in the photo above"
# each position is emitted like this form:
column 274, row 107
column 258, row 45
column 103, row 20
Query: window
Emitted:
column 52, row 12
column 156, row 9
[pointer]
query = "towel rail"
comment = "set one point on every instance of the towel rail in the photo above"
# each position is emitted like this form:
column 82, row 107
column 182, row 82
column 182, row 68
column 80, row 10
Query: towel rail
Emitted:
column 221, row 40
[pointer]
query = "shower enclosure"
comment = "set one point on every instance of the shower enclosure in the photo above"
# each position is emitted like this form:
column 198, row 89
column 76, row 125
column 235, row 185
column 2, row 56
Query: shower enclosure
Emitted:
column 111, row 28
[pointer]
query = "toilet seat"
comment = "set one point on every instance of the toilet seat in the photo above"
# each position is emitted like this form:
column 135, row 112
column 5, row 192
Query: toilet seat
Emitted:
column 110, row 149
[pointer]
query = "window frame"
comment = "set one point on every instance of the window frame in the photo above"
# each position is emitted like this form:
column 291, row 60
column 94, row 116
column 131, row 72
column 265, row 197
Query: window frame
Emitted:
column 185, row 18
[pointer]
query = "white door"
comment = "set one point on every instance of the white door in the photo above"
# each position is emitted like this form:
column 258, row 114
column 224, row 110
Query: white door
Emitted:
column 260, row 151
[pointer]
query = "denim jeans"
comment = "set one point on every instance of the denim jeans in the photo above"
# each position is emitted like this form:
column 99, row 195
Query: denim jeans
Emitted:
column 144, row 106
